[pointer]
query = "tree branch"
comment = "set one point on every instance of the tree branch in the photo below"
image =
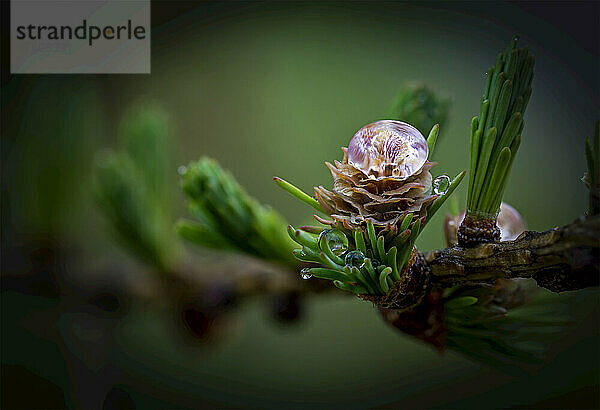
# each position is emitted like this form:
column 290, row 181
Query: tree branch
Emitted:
column 559, row 259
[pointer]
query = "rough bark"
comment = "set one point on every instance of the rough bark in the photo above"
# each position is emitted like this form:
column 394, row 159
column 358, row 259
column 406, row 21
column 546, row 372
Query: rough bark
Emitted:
column 559, row 259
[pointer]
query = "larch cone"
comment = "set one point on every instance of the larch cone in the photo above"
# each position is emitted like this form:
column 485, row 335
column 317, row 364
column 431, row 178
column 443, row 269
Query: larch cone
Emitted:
column 383, row 176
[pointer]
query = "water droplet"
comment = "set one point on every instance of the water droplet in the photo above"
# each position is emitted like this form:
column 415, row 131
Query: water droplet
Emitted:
column 441, row 184
column 354, row 258
column 388, row 148
column 305, row 272
column 182, row 170
column 335, row 239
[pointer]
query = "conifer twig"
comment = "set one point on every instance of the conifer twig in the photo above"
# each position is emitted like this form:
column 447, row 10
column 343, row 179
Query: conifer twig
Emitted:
column 559, row 259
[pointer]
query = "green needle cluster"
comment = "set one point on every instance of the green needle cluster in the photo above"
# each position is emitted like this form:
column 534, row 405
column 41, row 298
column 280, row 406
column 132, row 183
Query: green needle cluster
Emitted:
column 226, row 217
column 420, row 106
column 496, row 133
column 132, row 189
column 508, row 324
column 356, row 264
column 140, row 222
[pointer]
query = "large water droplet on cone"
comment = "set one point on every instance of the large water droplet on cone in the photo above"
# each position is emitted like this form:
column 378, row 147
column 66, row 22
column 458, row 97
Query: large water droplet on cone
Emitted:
column 388, row 148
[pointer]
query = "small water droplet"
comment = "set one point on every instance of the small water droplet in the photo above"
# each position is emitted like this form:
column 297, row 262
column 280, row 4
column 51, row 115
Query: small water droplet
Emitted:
column 354, row 258
column 441, row 184
column 182, row 170
column 335, row 239
column 306, row 273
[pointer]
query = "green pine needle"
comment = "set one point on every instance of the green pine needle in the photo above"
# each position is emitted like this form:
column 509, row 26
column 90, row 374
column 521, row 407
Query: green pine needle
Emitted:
column 359, row 240
column 298, row 193
column 432, row 138
column 498, row 178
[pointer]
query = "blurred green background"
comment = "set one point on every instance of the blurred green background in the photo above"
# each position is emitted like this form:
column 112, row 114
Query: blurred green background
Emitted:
column 277, row 89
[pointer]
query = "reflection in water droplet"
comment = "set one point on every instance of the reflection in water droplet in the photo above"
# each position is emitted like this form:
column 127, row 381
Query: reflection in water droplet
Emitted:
column 182, row 170
column 306, row 273
column 335, row 239
column 354, row 258
column 388, row 148
column 441, row 184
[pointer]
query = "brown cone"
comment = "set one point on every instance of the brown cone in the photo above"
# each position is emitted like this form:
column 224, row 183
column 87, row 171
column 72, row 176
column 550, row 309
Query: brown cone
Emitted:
column 383, row 199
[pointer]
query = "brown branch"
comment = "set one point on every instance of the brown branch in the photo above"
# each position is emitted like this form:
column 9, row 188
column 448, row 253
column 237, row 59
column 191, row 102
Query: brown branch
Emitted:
column 560, row 259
